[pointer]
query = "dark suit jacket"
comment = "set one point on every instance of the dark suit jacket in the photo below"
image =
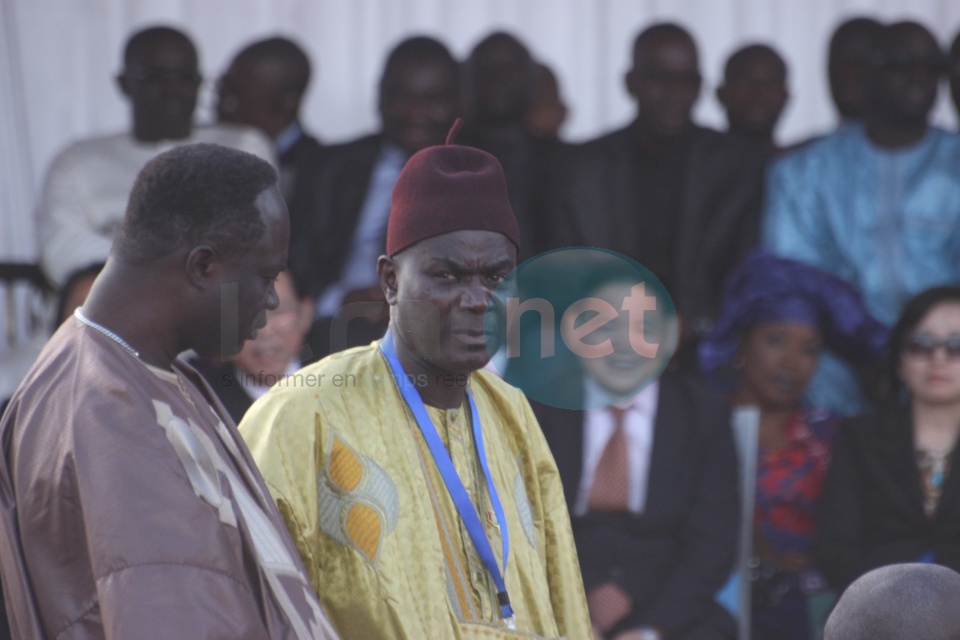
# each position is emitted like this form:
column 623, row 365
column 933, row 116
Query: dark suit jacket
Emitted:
column 529, row 164
column 720, row 206
column 304, row 159
column 675, row 556
column 871, row 511
column 320, row 242
column 222, row 378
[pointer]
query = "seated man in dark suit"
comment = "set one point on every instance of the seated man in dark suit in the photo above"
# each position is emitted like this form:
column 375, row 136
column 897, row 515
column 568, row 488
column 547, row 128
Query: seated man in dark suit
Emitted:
column 500, row 80
column 649, row 470
column 334, row 251
column 754, row 93
column 682, row 199
column 272, row 357
column 263, row 88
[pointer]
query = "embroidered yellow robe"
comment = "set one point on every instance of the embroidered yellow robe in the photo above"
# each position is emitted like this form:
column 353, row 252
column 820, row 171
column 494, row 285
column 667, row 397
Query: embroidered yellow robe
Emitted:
column 381, row 539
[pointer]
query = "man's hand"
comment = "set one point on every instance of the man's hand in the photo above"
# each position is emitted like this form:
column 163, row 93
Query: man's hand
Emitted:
column 608, row 605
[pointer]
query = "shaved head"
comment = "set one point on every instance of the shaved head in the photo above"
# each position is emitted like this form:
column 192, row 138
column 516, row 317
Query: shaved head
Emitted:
column 899, row 602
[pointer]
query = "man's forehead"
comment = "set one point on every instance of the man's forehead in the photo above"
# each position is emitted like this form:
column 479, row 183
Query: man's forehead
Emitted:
column 667, row 46
column 467, row 247
column 163, row 50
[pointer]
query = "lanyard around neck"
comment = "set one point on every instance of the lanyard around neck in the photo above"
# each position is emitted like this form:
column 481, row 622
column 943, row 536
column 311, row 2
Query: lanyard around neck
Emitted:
column 461, row 499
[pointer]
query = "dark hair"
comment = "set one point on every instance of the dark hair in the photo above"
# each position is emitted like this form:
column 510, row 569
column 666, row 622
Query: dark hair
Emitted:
column 193, row 194
column 860, row 27
column 418, row 48
column 912, row 314
column 891, row 37
column 140, row 41
column 289, row 56
column 657, row 31
column 741, row 56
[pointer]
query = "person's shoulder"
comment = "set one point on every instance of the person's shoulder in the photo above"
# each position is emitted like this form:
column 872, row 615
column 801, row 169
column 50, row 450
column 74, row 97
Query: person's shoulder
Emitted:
column 822, row 423
column 80, row 152
column 815, row 152
column 702, row 136
column 496, row 386
column 368, row 143
column 75, row 378
column 693, row 389
column 236, row 137
column 947, row 142
column 605, row 141
column 333, row 378
column 884, row 422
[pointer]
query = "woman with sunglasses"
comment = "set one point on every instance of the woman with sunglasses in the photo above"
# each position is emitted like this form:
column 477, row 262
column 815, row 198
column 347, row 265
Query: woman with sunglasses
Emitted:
column 892, row 493
column 776, row 318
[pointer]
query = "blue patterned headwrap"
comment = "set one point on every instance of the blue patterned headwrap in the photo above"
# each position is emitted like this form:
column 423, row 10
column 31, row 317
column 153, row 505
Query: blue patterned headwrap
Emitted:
column 767, row 288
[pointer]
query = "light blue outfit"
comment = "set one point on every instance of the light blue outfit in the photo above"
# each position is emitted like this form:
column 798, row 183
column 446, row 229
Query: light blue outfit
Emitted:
column 885, row 221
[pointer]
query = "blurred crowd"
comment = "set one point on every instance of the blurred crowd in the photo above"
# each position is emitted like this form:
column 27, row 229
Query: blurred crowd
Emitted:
column 818, row 282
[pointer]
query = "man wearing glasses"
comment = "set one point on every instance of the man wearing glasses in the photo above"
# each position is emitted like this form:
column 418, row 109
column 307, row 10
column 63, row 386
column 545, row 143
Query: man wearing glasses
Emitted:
column 877, row 203
column 86, row 187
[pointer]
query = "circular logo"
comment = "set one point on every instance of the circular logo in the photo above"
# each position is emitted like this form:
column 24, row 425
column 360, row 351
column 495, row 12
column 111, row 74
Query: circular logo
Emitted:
column 581, row 328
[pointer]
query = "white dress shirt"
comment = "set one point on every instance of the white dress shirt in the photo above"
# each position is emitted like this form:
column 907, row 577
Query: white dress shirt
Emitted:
column 640, row 411
column 87, row 186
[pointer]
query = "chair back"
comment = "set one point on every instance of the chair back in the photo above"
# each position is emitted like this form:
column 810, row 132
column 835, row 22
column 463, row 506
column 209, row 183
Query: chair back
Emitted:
column 25, row 301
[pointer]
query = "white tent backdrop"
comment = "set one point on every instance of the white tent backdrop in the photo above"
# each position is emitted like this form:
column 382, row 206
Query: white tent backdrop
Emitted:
column 58, row 58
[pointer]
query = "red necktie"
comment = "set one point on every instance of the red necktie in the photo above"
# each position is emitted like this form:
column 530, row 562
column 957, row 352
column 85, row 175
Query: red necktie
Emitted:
column 611, row 478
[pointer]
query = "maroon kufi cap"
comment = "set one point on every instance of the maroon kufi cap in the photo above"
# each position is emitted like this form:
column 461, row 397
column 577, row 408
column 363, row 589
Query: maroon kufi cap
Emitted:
column 449, row 188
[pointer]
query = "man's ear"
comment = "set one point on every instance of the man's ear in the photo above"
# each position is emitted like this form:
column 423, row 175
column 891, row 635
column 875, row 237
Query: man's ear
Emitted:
column 387, row 275
column 122, row 83
column 721, row 94
column 203, row 264
column 630, row 82
column 288, row 104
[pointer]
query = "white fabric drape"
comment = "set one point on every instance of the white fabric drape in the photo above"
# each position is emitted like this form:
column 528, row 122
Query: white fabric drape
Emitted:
column 58, row 59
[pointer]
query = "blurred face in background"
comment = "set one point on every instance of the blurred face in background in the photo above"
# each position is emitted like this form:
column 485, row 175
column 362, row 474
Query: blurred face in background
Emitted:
column 625, row 370
column 501, row 79
column 278, row 343
column 754, row 92
column 930, row 357
column 777, row 360
column 162, row 81
column 848, row 70
column 418, row 101
column 907, row 77
column 665, row 81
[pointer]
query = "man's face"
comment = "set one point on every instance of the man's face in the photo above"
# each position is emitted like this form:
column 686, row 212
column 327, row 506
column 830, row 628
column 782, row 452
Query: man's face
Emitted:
column 502, row 78
column 248, row 93
column 624, row 372
column 418, row 102
column 439, row 290
column 849, row 73
column 908, row 78
column 754, row 95
column 162, row 83
column 249, row 278
column 665, row 80
column 278, row 343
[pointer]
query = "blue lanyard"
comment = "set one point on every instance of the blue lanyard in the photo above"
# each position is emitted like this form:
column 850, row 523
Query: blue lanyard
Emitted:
column 458, row 492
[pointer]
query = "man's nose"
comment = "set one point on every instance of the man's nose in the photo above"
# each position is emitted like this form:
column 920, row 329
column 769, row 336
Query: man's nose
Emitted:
column 475, row 296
